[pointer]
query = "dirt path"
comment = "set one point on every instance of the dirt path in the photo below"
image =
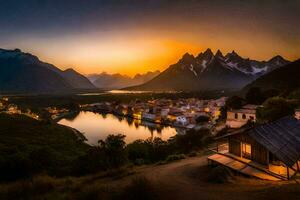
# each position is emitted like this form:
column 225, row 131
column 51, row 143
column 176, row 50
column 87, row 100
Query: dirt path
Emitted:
column 186, row 179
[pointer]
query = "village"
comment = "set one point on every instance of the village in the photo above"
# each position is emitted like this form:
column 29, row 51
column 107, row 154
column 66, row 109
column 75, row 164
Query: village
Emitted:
column 252, row 150
column 178, row 113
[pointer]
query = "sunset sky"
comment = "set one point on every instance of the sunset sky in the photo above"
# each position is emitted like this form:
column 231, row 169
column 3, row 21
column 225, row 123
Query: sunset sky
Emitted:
column 135, row 36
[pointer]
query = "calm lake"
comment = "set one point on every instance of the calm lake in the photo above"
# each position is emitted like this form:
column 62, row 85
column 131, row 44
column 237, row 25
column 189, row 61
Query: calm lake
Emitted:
column 97, row 126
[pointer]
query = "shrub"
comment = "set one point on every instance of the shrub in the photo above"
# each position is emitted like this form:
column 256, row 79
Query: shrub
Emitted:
column 192, row 154
column 138, row 149
column 275, row 108
column 28, row 189
column 234, row 102
column 174, row 157
column 192, row 140
column 114, row 150
column 93, row 192
column 220, row 174
column 139, row 188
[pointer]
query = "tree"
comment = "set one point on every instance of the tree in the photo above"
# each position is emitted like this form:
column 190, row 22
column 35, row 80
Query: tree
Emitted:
column 255, row 96
column 234, row 102
column 114, row 149
column 275, row 108
column 202, row 119
column 192, row 140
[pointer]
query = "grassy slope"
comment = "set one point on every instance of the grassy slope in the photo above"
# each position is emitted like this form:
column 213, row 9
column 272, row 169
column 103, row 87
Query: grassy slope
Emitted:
column 21, row 135
column 184, row 179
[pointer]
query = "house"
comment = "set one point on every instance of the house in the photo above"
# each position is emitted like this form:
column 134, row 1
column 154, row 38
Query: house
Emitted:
column 268, row 150
column 137, row 114
column 236, row 118
column 182, row 120
column 164, row 112
column 297, row 113
column 13, row 109
column 149, row 116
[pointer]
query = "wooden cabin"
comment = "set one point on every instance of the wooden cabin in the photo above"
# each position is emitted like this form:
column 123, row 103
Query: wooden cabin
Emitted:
column 273, row 147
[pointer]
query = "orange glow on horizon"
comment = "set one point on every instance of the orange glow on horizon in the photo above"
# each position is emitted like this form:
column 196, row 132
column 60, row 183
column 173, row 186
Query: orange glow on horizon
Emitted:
column 131, row 53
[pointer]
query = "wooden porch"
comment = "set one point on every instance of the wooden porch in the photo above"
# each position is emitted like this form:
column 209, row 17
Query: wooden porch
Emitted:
column 250, row 168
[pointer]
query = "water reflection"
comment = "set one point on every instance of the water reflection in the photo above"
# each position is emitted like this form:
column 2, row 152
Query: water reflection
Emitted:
column 97, row 126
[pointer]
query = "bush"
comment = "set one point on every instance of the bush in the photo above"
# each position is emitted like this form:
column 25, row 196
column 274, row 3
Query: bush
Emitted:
column 28, row 189
column 192, row 154
column 114, row 150
column 275, row 108
column 171, row 158
column 192, row 140
column 94, row 192
column 234, row 102
column 220, row 174
column 110, row 153
column 138, row 149
column 139, row 188
column 202, row 119
column 148, row 150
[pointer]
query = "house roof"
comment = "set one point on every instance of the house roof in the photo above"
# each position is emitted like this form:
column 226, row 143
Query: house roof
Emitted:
column 246, row 111
column 281, row 137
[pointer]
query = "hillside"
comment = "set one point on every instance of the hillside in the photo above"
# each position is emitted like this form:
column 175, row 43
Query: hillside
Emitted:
column 77, row 80
column 285, row 79
column 23, row 72
column 209, row 71
column 28, row 145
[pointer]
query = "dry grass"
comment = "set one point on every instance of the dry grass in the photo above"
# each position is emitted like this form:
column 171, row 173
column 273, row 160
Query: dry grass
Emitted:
column 183, row 179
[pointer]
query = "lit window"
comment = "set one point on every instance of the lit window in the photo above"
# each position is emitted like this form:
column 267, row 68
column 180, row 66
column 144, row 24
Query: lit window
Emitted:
column 246, row 150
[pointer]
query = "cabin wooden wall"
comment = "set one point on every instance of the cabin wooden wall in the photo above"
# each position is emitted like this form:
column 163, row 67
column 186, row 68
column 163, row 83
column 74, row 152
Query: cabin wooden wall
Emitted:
column 234, row 147
column 259, row 154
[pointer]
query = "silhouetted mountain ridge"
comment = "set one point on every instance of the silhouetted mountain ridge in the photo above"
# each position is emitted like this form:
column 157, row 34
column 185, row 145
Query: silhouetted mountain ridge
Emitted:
column 118, row 81
column 209, row 71
column 24, row 72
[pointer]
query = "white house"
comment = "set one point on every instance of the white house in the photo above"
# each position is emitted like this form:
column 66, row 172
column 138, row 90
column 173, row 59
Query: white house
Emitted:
column 149, row 116
column 181, row 119
column 239, row 117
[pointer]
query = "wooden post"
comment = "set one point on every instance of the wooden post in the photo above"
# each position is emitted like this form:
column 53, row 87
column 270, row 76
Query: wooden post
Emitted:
column 217, row 146
column 288, row 173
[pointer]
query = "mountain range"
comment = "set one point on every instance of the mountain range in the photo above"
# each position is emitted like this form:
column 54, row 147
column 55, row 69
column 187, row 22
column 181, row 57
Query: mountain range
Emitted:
column 118, row 81
column 23, row 72
column 208, row 71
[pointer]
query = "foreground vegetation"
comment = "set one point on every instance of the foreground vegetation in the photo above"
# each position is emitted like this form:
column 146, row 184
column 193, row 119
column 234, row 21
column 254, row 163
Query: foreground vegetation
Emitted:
column 30, row 147
column 186, row 179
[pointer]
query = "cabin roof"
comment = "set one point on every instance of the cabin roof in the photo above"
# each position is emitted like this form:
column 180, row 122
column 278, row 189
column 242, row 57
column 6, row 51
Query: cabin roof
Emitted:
column 281, row 137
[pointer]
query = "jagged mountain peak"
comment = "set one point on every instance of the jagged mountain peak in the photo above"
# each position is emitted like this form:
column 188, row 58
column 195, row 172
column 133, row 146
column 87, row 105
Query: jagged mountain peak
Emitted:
column 211, row 71
column 187, row 58
column 205, row 57
column 219, row 54
column 278, row 59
